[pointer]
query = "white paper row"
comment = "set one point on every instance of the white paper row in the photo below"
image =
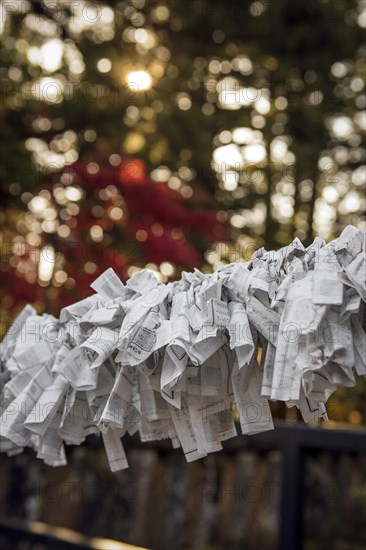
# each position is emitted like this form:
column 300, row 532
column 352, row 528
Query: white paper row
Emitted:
column 176, row 360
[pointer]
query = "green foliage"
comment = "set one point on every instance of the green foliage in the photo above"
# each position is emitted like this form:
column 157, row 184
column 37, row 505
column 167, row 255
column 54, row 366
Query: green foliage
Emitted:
column 254, row 110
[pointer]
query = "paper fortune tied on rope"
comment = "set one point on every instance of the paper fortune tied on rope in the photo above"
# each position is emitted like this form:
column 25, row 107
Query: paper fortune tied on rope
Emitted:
column 173, row 360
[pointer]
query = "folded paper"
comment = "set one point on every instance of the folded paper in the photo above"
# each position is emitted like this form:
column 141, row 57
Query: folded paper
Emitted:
column 175, row 361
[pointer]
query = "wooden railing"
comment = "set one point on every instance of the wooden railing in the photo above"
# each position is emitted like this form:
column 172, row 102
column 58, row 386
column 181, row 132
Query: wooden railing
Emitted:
column 296, row 443
column 15, row 534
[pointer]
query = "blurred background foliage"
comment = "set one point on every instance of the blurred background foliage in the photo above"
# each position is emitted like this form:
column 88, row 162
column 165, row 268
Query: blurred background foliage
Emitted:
column 173, row 135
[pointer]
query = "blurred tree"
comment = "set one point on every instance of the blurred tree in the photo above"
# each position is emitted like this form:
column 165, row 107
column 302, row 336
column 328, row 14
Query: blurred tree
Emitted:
column 252, row 110
column 137, row 132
